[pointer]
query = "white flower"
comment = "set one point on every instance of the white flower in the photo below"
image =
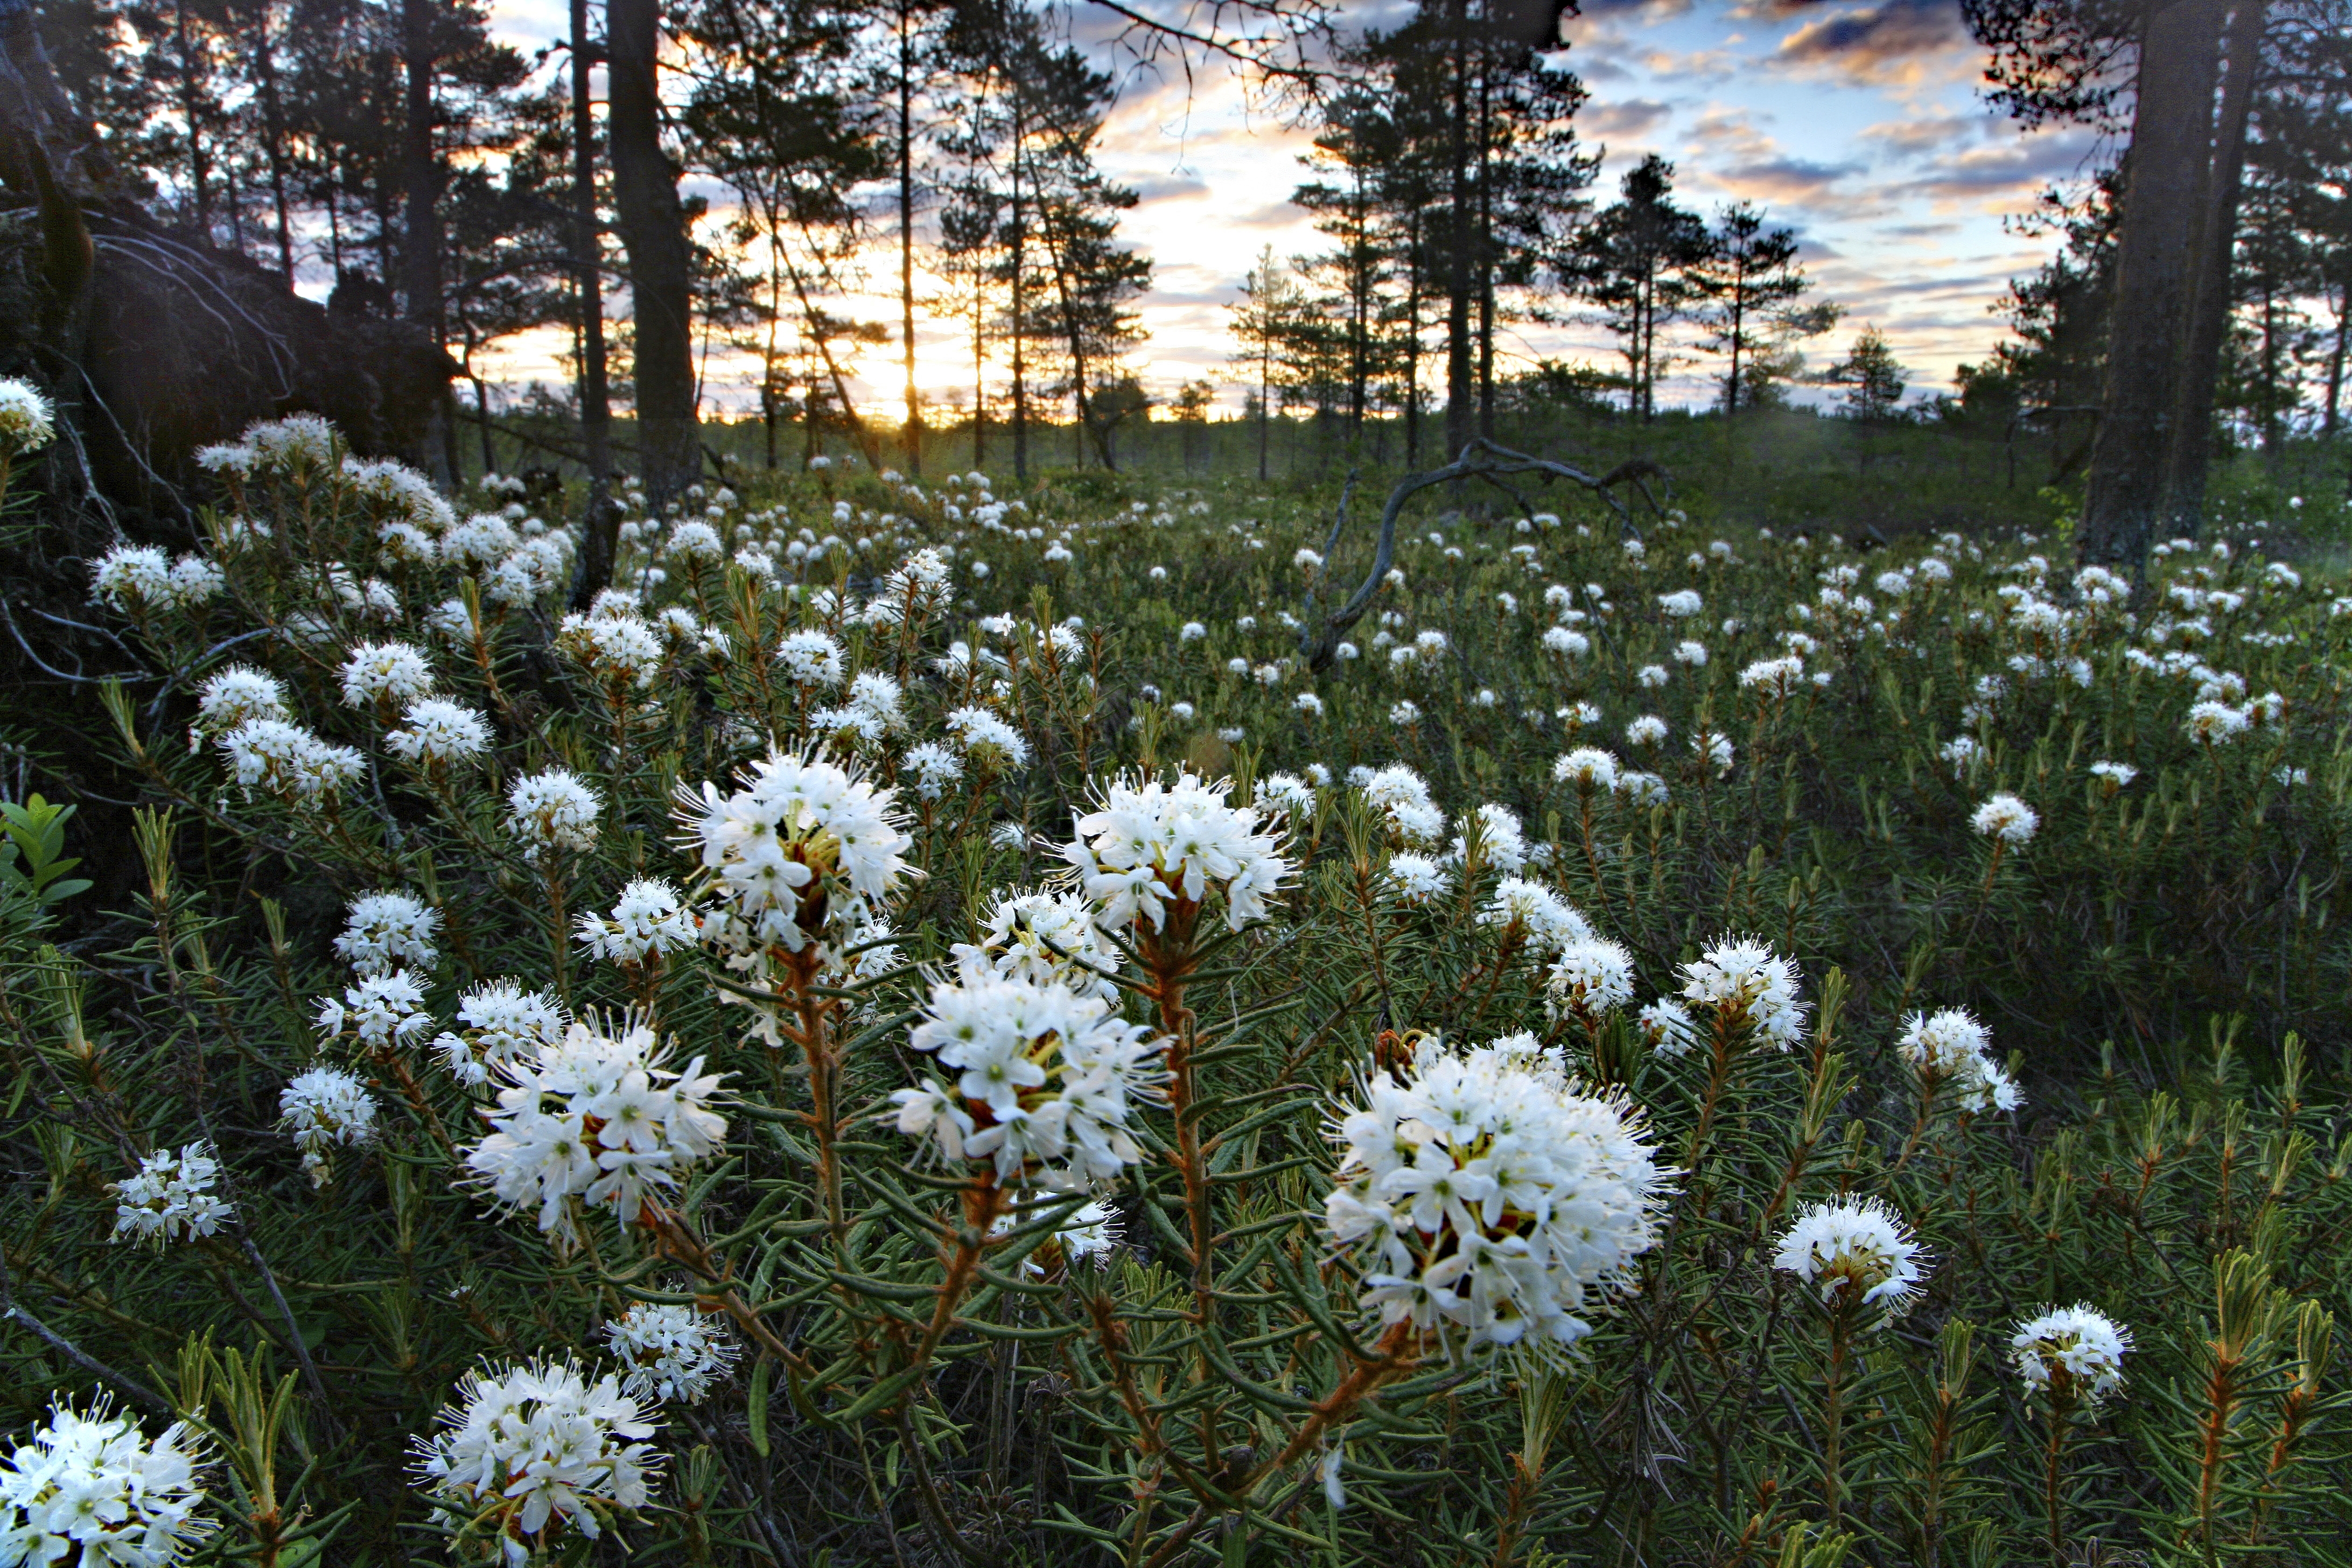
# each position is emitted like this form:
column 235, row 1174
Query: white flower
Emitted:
column 1502, row 841
column 651, row 1125
column 670, row 1353
column 135, row 578
column 1590, row 978
column 2117, row 775
column 1405, row 713
column 810, row 658
column 1693, row 654
column 2005, row 819
column 2075, row 1351
column 1306, row 702
column 1567, row 644
column 438, row 730
column 171, row 1197
column 1486, row 1195
column 552, row 811
column 619, row 650
column 25, row 424
column 1191, row 631
column 2216, row 723
column 1777, row 675
column 934, row 768
column 1149, row 845
column 1666, row 1027
column 287, row 760
column 1403, row 799
column 384, row 932
column 1546, row 919
column 987, row 736
column 1287, row 792
column 1045, row 938
column 322, row 1108
column 1588, row 768
column 501, row 1023
column 802, row 849
column 90, row 1488
column 1853, row 1254
column 646, row 922
column 1682, row 605
column 1950, row 1047
column 1712, row 749
column 1749, row 988
column 1045, row 1079
column 1646, row 730
column 1417, row 878
column 379, row 1010
column 230, row 696
column 533, row 1449
column 391, row 672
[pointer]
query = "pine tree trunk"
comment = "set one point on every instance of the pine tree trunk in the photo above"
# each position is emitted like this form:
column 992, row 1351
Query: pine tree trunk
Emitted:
column 420, row 179
column 1460, row 395
column 2209, row 311
column 602, row 532
column 2171, row 132
column 653, row 227
column 914, row 434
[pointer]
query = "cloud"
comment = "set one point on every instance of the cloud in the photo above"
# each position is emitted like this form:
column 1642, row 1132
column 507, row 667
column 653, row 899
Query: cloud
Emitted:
column 1927, row 134
column 1632, row 117
column 1877, row 43
column 1169, row 187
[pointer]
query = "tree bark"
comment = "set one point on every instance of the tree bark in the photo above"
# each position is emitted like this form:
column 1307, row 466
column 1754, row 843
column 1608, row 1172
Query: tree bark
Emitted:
column 653, row 227
column 2209, row 305
column 420, row 179
column 1461, row 410
column 914, row 434
column 2173, row 125
column 602, row 533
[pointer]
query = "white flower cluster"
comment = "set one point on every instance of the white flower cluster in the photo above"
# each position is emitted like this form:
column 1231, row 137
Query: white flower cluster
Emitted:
column 384, row 932
column 1150, row 844
column 533, row 1449
column 435, row 730
column 91, row 1487
column 322, row 1108
column 1417, row 878
column 802, row 851
column 2005, row 819
column 597, row 1116
column 288, row 761
column 379, row 1010
column 1045, row 937
column 1950, row 1047
column 875, row 709
column 670, row 1354
column 1489, row 1194
column 647, row 922
column 1750, row 989
column 1853, row 1254
column 171, row 1197
column 613, row 645
column 1046, row 1078
column 502, row 1024
column 1403, row 799
column 1590, row 979
column 810, row 658
column 1536, row 913
column 230, row 696
column 136, row 578
column 987, row 737
column 552, row 811
column 390, row 673
column 25, row 422
column 2071, row 1351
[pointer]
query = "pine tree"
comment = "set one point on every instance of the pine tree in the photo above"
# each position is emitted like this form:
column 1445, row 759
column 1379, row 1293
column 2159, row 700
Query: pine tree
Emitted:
column 1634, row 261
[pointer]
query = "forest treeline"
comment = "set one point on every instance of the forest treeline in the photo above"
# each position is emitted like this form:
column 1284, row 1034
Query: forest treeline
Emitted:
column 944, row 158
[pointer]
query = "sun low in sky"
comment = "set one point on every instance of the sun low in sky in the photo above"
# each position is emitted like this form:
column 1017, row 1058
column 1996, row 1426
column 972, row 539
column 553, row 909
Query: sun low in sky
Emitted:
column 1859, row 126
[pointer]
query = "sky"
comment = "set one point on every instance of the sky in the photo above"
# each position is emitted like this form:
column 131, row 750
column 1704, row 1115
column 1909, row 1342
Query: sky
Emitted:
column 1858, row 126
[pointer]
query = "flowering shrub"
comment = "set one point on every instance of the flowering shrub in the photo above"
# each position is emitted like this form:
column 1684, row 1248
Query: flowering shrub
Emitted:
column 819, row 1053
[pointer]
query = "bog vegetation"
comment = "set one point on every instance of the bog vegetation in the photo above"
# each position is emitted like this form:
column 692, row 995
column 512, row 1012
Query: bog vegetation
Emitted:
column 929, row 1026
